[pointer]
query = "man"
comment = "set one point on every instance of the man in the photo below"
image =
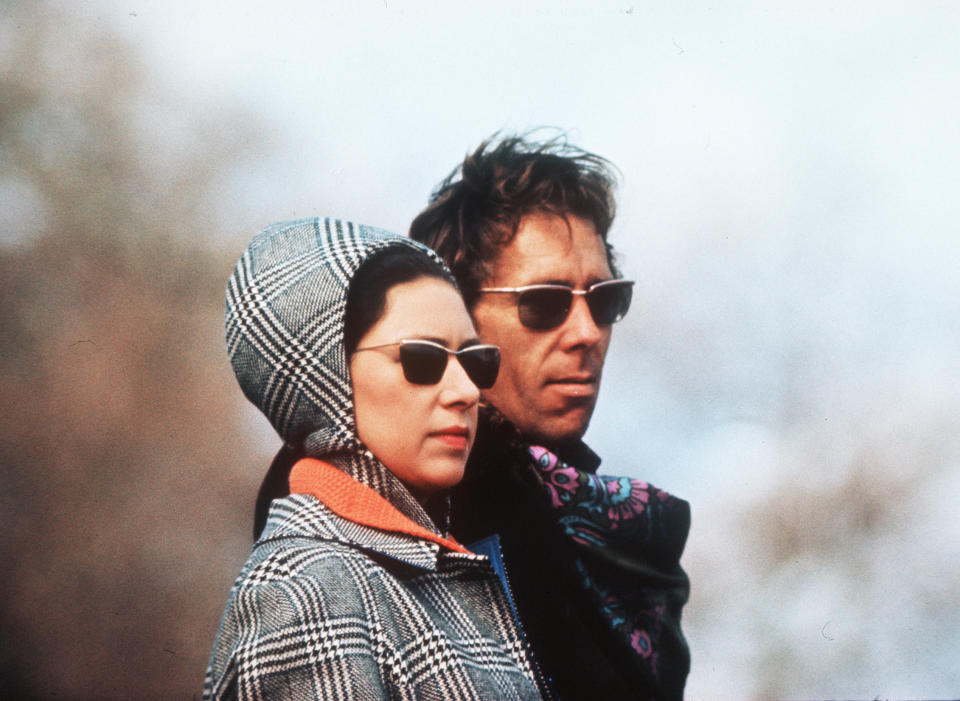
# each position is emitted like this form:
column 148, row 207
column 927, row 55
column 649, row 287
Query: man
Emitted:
column 593, row 561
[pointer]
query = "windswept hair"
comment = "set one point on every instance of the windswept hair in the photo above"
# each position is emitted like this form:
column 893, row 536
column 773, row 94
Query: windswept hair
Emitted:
column 479, row 206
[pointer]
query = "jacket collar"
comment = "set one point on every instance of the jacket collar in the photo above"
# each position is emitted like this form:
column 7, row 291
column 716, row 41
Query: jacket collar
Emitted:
column 353, row 514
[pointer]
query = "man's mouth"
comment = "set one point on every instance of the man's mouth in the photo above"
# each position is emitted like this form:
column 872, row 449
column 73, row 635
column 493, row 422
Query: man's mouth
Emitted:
column 575, row 385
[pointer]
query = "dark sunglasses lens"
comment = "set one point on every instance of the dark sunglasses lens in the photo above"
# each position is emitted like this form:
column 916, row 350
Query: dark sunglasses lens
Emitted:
column 544, row 309
column 422, row 364
column 481, row 365
column 609, row 303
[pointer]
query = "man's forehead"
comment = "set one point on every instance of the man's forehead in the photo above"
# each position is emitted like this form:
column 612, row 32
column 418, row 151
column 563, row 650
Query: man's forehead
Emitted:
column 551, row 249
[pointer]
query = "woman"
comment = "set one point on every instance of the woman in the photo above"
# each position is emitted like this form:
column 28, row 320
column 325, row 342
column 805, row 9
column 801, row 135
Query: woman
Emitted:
column 358, row 348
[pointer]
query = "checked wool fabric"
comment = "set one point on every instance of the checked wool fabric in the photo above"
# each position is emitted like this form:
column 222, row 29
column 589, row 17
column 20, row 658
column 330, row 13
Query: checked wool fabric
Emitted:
column 329, row 607
column 326, row 608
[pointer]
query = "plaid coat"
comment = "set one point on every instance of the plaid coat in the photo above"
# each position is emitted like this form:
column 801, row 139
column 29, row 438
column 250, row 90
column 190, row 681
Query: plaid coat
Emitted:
column 352, row 591
column 333, row 606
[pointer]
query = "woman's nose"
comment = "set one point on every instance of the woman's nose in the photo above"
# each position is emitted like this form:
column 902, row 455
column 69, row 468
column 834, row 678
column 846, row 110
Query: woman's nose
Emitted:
column 457, row 387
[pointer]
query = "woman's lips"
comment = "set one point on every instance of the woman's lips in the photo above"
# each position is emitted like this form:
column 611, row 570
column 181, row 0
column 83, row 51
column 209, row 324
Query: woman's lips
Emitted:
column 455, row 437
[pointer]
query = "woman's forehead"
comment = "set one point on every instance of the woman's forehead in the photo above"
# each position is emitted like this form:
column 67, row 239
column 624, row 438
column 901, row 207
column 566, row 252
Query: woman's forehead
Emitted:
column 427, row 308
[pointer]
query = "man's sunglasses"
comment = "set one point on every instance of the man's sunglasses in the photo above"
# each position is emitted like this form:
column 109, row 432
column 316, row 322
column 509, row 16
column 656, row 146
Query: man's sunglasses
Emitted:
column 424, row 362
column 543, row 307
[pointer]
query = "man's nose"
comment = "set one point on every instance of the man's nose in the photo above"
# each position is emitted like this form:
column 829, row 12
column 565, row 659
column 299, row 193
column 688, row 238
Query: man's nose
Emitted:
column 580, row 329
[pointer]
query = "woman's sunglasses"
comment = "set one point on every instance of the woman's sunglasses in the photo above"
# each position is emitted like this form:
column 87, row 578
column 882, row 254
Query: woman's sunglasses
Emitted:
column 543, row 307
column 424, row 362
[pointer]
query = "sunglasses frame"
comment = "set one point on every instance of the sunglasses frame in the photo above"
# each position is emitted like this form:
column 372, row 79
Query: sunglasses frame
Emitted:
column 519, row 291
column 456, row 353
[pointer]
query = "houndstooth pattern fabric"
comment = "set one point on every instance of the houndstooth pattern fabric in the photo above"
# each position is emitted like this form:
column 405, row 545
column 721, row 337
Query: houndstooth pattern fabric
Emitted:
column 329, row 609
column 285, row 308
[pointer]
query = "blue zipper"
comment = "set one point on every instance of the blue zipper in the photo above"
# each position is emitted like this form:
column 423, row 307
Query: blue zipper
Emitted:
column 491, row 548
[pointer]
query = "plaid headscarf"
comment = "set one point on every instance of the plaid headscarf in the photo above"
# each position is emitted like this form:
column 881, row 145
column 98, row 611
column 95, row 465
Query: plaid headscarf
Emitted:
column 286, row 301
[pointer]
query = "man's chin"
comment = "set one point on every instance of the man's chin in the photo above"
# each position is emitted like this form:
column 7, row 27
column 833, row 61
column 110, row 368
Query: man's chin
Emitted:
column 560, row 430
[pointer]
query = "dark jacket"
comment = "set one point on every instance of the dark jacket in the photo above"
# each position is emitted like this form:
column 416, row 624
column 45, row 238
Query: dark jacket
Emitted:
column 599, row 599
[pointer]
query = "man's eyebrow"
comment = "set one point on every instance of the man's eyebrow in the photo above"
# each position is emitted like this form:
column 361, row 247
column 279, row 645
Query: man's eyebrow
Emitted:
column 469, row 342
column 567, row 283
column 549, row 281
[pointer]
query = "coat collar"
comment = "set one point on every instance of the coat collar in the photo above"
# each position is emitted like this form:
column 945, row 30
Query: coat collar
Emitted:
column 344, row 510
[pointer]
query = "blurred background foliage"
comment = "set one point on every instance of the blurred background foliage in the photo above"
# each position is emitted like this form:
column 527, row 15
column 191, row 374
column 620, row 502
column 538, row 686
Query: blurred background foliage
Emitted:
column 805, row 390
column 125, row 507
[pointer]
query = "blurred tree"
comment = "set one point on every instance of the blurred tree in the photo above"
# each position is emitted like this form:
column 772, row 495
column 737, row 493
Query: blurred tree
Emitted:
column 839, row 578
column 124, row 505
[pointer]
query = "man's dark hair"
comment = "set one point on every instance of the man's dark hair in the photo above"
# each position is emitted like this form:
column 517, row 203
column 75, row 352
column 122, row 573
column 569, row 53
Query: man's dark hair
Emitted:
column 469, row 217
